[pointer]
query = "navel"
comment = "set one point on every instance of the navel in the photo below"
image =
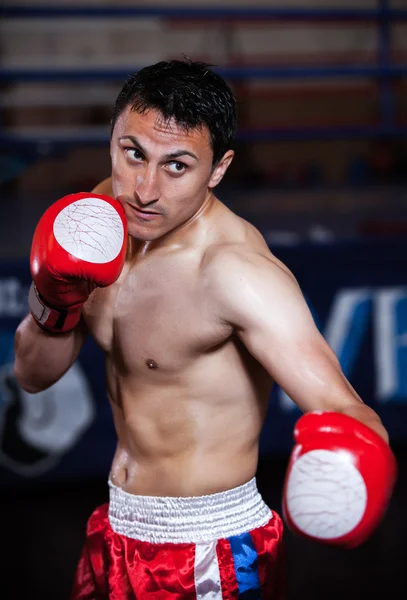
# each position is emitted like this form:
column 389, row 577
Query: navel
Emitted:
column 151, row 364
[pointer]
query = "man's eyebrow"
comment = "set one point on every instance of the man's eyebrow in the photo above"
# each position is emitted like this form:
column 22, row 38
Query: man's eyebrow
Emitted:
column 169, row 156
column 179, row 153
column 134, row 140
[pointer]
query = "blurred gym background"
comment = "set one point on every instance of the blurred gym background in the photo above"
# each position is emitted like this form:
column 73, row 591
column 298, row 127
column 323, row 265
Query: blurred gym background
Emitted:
column 320, row 169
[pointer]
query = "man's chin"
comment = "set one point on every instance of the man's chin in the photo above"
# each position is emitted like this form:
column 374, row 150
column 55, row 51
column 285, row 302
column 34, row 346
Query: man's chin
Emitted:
column 141, row 235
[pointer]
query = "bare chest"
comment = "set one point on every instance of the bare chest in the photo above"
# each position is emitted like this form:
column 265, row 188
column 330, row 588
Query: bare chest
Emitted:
column 158, row 317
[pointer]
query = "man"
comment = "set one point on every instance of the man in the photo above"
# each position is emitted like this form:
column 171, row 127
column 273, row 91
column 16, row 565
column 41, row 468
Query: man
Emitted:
column 197, row 319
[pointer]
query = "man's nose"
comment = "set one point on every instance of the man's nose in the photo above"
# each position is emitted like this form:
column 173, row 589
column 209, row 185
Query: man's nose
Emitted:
column 146, row 187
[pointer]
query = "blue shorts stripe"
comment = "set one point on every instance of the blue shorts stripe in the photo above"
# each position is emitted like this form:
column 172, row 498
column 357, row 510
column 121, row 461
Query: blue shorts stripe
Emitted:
column 246, row 566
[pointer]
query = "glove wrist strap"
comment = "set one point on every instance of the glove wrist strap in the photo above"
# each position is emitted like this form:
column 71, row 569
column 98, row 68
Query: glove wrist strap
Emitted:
column 49, row 318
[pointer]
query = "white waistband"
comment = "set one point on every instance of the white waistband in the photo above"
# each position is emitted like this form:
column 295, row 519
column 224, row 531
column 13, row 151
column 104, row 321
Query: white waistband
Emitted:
column 187, row 520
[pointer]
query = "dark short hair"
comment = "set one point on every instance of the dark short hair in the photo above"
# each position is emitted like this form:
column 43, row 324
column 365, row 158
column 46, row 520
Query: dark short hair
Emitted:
column 190, row 93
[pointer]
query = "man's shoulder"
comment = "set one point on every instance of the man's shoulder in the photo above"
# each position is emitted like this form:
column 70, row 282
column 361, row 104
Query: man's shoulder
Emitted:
column 227, row 262
column 234, row 238
column 104, row 187
column 236, row 277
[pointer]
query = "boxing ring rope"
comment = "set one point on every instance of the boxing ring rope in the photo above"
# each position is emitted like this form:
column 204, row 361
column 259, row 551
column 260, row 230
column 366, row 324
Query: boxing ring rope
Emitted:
column 383, row 71
column 232, row 73
column 383, row 12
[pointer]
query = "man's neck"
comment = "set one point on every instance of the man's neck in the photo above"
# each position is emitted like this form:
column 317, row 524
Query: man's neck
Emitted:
column 184, row 235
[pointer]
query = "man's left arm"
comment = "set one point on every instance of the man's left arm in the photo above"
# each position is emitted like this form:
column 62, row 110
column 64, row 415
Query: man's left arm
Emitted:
column 341, row 471
column 263, row 301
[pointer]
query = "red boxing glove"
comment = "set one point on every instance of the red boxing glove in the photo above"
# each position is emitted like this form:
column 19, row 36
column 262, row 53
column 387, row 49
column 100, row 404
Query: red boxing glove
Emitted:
column 79, row 244
column 339, row 480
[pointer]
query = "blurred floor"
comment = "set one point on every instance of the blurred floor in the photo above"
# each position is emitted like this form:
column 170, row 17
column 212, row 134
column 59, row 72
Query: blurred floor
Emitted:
column 43, row 531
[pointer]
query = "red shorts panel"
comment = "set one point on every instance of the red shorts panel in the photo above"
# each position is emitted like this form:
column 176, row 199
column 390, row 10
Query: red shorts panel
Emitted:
column 247, row 566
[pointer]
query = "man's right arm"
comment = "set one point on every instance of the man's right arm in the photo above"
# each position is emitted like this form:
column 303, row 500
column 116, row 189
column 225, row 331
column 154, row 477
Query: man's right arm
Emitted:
column 42, row 358
column 79, row 244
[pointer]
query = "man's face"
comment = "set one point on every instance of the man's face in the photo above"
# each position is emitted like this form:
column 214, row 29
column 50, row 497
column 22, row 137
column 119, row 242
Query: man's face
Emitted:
column 160, row 172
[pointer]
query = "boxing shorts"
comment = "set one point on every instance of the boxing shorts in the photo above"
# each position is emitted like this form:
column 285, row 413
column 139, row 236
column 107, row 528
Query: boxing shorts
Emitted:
column 221, row 546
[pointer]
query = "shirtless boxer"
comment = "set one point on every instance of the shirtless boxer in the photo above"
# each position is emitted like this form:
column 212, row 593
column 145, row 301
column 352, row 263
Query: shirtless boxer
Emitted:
column 197, row 319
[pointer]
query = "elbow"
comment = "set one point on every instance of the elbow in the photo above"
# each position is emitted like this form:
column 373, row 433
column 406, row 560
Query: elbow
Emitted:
column 28, row 385
column 29, row 388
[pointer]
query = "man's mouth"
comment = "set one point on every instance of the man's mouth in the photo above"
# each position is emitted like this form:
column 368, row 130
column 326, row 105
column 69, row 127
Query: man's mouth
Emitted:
column 144, row 214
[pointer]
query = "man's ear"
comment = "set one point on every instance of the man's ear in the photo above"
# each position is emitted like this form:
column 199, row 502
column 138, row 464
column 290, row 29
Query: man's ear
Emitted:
column 221, row 168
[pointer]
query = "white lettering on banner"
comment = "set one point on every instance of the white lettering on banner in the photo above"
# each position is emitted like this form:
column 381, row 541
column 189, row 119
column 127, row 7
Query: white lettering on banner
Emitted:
column 390, row 343
column 347, row 325
column 340, row 326
column 13, row 298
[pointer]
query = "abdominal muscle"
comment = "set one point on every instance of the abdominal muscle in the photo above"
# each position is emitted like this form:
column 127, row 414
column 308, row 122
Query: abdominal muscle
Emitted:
column 174, row 443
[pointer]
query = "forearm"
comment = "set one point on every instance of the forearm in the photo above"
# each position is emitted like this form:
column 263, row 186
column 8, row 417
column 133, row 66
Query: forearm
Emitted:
column 42, row 358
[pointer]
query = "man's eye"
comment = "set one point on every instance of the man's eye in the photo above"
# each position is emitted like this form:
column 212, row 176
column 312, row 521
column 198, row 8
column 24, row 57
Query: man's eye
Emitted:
column 176, row 167
column 134, row 153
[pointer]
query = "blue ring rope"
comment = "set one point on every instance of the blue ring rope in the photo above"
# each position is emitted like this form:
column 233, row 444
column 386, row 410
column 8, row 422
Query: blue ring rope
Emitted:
column 231, row 73
column 11, row 140
column 295, row 14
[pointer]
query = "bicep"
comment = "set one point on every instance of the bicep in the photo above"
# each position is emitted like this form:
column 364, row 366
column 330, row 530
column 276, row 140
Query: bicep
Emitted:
column 273, row 320
column 303, row 365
